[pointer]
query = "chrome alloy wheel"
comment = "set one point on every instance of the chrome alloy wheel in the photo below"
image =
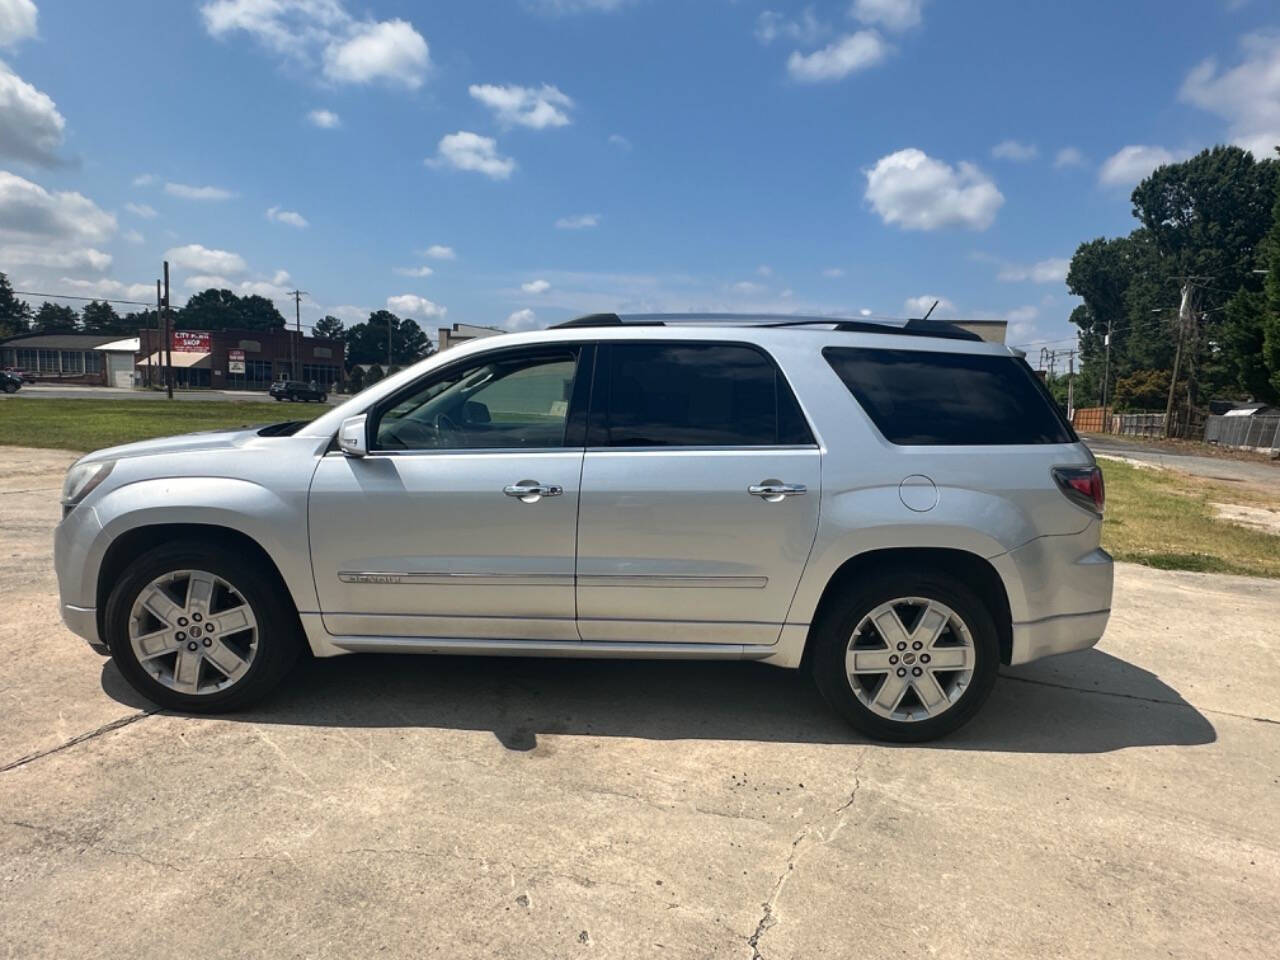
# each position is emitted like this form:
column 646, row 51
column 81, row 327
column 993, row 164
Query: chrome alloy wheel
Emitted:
column 193, row 632
column 910, row 659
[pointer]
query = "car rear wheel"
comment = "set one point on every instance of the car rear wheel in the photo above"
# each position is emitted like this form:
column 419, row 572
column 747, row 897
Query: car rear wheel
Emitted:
column 10, row 387
column 906, row 657
column 200, row 628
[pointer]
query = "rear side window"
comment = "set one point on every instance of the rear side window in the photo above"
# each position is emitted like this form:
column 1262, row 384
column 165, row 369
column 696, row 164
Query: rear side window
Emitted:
column 692, row 394
column 919, row 397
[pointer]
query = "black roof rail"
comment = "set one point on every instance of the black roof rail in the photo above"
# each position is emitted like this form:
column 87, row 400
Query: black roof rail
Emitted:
column 912, row 328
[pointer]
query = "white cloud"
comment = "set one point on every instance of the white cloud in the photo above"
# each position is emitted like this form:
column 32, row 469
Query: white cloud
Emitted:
column 1014, row 150
column 323, row 34
column 748, row 287
column 202, row 259
column 143, row 210
column 524, row 319
column 764, row 270
column 535, row 286
column 189, row 192
column 391, row 51
column 1128, row 165
column 1247, row 95
column 31, row 128
column 290, row 217
column 833, row 273
column 581, row 221
column 919, row 306
column 17, row 21
column 864, row 312
column 423, row 271
column 105, row 287
column 806, row 29
column 619, row 141
column 470, row 151
column 856, row 51
column 324, row 119
column 281, row 277
column 917, row 192
column 31, row 214
column 1052, row 270
column 1068, row 157
column 438, row 251
column 412, row 305
column 134, row 237
column 890, row 14
column 144, row 179
column 54, row 256
column 578, row 6
column 534, row 107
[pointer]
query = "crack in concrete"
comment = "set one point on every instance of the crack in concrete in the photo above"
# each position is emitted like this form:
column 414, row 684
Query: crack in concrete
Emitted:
column 1134, row 696
column 80, row 738
column 768, row 917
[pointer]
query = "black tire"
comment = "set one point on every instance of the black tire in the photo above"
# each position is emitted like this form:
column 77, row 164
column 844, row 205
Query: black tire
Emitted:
column 324, row 397
column 279, row 633
column 278, row 399
column 832, row 633
column 10, row 388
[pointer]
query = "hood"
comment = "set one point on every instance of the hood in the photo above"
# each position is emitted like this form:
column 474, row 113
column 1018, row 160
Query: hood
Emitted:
column 185, row 443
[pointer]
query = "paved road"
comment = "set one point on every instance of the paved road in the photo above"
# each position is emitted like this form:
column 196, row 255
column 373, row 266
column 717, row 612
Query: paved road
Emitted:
column 118, row 393
column 1257, row 472
column 1116, row 802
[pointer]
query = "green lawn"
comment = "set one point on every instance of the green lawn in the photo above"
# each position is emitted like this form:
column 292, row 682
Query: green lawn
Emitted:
column 1164, row 519
column 92, row 424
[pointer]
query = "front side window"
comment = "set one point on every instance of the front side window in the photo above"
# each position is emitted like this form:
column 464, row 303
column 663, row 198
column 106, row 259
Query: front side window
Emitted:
column 516, row 401
column 695, row 394
column 923, row 397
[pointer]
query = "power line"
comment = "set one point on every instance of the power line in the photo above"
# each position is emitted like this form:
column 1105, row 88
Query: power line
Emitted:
column 68, row 296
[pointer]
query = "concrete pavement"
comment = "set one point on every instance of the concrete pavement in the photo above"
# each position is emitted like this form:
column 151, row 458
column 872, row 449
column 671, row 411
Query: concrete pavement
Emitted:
column 1117, row 801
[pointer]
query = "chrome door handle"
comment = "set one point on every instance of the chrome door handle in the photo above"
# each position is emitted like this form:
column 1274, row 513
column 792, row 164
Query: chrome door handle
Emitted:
column 775, row 490
column 531, row 491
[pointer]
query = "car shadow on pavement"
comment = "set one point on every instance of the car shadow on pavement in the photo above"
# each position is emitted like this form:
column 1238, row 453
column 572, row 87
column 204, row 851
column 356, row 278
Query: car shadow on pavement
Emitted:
column 1086, row 702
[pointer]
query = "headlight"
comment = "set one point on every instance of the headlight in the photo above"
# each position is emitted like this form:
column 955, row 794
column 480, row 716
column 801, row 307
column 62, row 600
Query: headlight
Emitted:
column 81, row 479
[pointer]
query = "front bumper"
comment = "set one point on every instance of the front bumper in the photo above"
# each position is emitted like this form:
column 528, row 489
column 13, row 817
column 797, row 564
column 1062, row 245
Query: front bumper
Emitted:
column 83, row 622
column 77, row 554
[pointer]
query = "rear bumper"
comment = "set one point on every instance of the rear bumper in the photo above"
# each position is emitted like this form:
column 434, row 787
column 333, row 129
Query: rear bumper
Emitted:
column 1044, row 638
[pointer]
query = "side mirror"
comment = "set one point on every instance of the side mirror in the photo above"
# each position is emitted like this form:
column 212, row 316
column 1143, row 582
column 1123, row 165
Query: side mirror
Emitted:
column 353, row 436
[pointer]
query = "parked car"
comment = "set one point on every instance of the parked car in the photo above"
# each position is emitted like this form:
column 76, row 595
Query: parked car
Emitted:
column 10, row 382
column 896, row 510
column 297, row 390
column 24, row 376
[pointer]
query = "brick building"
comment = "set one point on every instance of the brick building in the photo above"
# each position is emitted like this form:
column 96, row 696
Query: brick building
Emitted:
column 240, row 359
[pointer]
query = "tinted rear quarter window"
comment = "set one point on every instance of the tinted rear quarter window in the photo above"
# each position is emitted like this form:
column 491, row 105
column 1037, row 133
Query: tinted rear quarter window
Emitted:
column 694, row 394
column 922, row 397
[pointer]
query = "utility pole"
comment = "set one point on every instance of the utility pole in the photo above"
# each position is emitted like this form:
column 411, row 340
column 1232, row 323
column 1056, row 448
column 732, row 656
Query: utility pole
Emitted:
column 168, row 337
column 1185, row 309
column 153, row 347
column 1071, row 384
column 297, row 333
column 1106, row 373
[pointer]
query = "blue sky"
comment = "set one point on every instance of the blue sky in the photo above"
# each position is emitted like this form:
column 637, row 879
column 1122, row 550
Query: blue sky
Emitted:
column 517, row 163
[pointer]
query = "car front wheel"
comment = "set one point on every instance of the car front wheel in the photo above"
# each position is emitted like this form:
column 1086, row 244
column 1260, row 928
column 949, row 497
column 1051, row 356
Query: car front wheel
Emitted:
column 200, row 628
column 906, row 657
column 10, row 388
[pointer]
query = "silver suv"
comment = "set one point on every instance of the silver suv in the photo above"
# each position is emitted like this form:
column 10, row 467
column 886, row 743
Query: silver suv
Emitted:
column 896, row 509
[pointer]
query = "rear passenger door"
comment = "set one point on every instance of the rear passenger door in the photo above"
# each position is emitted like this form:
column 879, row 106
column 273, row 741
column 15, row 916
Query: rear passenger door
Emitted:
column 699, row 496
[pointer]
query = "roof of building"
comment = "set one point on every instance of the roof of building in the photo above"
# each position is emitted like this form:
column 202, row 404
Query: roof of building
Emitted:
column 128, row 345
column 60, row 341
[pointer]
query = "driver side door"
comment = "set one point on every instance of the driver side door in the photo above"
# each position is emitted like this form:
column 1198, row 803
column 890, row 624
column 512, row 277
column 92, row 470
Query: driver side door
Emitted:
column 461, row 522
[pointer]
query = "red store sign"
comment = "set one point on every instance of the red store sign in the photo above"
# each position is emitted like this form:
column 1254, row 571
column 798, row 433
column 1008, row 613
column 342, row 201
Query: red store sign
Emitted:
column 191, row 341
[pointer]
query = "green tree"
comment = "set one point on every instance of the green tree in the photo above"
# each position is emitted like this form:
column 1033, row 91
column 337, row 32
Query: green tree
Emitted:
column 55, row 318
column 329, row 327
column 100, row 317
column 15, row 314
column 355, row 380
column 373, row 375
column 223, row 310
column 1269, row 314
column 367, row 342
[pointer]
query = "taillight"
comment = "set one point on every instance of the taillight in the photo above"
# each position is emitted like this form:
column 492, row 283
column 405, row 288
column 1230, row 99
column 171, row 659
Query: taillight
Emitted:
column 1083, row 486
